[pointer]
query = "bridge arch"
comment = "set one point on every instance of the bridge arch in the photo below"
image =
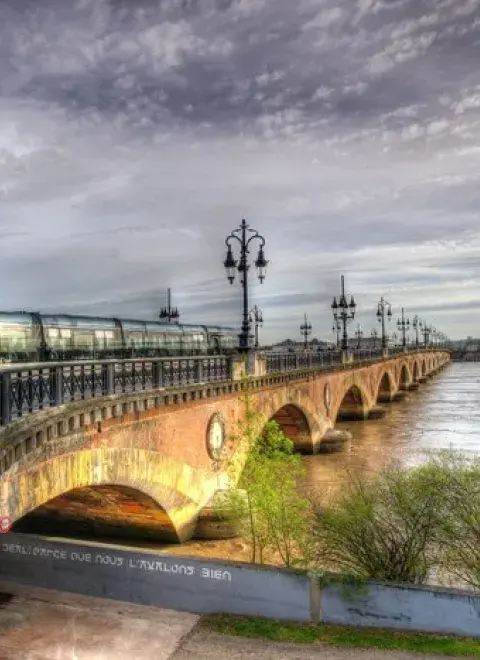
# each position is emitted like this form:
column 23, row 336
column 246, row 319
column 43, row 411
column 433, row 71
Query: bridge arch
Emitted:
column 353, row 405
column 298, row 417
column 386, row 388
column 424, row 367
column 168, row 486
column 105, row 510
column 294, row 424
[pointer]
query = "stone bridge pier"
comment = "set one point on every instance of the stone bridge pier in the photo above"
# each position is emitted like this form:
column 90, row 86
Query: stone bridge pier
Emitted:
column 142, row 465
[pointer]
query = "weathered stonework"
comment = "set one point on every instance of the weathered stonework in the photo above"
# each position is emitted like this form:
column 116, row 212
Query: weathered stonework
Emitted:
column 154, row 443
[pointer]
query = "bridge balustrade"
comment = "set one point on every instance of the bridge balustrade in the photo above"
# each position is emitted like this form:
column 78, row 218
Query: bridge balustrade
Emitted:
column 278, row 362
column 29, row 388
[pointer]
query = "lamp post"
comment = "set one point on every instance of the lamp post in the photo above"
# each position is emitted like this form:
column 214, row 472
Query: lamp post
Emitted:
column 384, row 309
column 374, row 336
column 417, row 325
column 404, row 326
column 256, row 317
column 359, row 335
column 336, row 327
column 426, row 334
column 344, row 312
column 306, row 330
column 169, row 313
column 244, row 235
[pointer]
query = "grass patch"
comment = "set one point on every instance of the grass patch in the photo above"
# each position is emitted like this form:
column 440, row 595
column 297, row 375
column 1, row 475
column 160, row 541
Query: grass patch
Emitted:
column 280, row 631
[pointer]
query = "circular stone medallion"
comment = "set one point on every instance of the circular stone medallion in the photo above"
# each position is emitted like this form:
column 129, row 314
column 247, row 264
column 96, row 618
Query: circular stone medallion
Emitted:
column 327, row 397
column 215, row 436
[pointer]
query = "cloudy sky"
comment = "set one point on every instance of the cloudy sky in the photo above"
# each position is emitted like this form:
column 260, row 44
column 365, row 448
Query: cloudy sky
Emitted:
column 136, row 134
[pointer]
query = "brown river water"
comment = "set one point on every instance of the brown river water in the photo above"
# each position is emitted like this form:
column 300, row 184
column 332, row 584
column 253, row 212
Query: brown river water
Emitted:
column 443, row 413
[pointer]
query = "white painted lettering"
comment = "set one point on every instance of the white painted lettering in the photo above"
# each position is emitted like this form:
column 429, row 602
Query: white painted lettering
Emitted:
column 216, row 574
column 81, row 556
column 104, row 559
column 110, row 560
column 40, row 551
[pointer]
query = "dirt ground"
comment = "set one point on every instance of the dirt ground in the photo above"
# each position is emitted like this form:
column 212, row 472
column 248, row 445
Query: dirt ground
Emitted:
column 39, row 624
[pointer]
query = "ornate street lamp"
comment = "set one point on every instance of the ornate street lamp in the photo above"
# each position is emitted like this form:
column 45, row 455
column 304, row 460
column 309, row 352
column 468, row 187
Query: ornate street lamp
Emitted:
column 417, row 325
column 244, row 235
column 343, row 311
column 374, row 336
column 404, row 326
column 306, row 330
column 169, row 313
column 336, row 327
column 359, row 335
column 384, row 309
column 256, row 317
column 426, row 334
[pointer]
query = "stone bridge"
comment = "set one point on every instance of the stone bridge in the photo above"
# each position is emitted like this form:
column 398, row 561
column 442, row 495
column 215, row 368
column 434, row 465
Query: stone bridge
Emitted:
column 140, row 463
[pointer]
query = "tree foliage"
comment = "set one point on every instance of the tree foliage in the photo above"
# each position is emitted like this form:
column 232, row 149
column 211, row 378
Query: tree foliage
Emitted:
column 460, row 525
column 266, row 507
column 385, row 527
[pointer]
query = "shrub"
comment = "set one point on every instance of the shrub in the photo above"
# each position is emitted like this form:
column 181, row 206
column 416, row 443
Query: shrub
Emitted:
column 385, row 527
column 461, row 521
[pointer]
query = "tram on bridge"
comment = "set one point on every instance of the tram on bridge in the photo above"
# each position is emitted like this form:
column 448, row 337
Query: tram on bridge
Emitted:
column 34, row 337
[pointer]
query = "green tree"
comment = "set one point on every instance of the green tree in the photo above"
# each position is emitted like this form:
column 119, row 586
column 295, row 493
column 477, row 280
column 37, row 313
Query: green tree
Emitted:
column 266, row 507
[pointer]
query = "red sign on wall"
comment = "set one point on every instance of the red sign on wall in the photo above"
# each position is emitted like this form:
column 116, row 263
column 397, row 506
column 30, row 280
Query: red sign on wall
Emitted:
column 5, row 524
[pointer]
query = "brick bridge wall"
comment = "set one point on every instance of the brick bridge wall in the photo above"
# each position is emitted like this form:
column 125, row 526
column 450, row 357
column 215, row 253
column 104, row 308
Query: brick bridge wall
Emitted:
column 140, row 462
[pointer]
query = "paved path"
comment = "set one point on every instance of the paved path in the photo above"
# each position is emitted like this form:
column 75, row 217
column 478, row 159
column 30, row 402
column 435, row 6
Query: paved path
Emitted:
column 40, row 624
column 46, row 625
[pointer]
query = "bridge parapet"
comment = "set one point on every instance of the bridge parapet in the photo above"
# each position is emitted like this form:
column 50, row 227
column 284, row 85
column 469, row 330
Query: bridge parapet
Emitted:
column 31, row 388
column 26, row 432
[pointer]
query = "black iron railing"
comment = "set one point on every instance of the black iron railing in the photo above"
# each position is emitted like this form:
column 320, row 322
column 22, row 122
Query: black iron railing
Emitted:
column 27, row 388
column 278, row 362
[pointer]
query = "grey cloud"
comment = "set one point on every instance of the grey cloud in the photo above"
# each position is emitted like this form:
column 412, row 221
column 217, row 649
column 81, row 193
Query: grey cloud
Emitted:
column 135, row 136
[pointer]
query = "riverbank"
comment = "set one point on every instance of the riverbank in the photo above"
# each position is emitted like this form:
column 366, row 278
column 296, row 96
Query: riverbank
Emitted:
column 340, row 636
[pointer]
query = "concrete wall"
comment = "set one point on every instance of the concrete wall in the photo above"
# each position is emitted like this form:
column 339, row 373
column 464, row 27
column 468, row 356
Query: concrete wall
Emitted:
column 404, row 608
column 207, row 586
column 160, row 580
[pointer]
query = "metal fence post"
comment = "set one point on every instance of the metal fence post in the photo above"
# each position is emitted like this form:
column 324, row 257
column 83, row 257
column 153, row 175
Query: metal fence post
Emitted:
column 157, row 374
column 109, row 378
column 199, row 370
column 5, row 401
column 57, row 386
